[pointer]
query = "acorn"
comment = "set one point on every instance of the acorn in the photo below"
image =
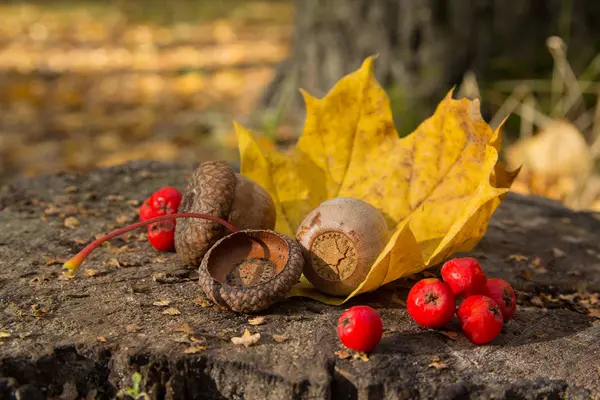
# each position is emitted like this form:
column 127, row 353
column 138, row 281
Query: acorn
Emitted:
column 341, row 239
column 215, row 189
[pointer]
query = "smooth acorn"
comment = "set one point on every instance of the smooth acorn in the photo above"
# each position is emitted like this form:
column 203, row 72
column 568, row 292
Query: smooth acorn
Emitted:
column 215, row 189
column 342, row 238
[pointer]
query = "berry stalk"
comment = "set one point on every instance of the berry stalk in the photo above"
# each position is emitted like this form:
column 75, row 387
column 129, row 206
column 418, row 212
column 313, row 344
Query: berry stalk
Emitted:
column 72, row 264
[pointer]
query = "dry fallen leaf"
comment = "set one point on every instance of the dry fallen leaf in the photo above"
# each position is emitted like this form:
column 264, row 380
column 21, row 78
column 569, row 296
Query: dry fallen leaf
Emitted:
column 360, row 355
column 202, row 302
column 194, row 349
column 185, row 328
column 112, row 262
column 517, row 258
column 437, row 364
column 171, row 311
column 64, row 276
column 39, row 310
column 123, row 249
column 526, row 275
column 558, row 253
column 51, row 210
column 437, row 187
column 257, row 320
column 132, row 328
column 89, row 272
column 115, row 197
column 161, row 303
column 101, row 339
column 536, row 262
column 247, row 339
column 343, row 354
column 536, row 301
column 55, row 261
column 197, row 339
column 122, row 219
column 449, row 334
column 71, row 222
column 279, row 338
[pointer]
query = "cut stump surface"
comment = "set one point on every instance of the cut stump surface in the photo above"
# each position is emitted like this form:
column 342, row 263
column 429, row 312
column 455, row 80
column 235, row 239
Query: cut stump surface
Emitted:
column 132, row 309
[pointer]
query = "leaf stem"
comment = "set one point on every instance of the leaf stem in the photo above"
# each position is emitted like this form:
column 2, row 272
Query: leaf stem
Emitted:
column 72, row 264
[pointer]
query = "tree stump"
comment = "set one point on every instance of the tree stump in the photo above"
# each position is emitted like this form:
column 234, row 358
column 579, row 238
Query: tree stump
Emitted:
column 131, row 309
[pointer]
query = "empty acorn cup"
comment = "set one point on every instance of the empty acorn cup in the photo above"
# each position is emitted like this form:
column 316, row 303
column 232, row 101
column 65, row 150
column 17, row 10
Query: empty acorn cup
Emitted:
column 249, row 270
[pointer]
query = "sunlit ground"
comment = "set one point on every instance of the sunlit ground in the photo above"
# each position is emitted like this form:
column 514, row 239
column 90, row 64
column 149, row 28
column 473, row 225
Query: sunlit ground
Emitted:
column 84, row 84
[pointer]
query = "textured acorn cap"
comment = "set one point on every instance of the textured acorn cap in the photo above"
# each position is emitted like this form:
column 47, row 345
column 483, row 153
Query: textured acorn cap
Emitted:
column 210, row 190
column 232, row 273
column 215, row 189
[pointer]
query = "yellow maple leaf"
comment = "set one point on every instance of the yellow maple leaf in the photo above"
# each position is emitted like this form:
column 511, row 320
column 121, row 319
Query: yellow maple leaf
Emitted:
column 437, row 187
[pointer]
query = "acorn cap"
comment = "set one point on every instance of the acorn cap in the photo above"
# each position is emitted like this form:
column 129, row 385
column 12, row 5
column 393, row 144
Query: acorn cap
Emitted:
column 210, row 190
column 249, row 270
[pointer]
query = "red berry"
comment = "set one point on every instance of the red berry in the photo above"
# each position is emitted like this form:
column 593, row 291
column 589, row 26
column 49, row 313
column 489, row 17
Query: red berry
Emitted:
column 161, row 235
column 431, row 303
column 502, row 293
column 465, row 277
column 360, row 328
column 166, row 200
column 146, row 211
column 480, row 319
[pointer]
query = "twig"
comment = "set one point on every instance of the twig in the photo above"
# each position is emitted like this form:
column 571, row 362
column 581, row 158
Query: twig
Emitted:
column 527, row 116
column 545, row 86
column 585, row 121
column 595, row 148
column 469, row 87
column 557, row 49
column 510, row 104
column 540, row 119
column 574, row 94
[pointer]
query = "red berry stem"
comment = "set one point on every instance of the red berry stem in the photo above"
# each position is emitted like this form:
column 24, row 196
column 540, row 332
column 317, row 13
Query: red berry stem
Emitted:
column 72, row 264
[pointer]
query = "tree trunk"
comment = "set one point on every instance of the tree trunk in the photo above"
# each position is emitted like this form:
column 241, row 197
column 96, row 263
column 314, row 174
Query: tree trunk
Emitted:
column 426, row 46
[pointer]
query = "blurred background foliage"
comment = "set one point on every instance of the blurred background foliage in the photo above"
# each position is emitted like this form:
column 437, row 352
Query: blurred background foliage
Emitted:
column 95, row 83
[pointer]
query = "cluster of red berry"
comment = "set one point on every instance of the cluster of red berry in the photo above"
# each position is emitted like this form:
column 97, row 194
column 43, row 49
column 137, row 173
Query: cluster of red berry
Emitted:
column 164, row 201
column 487, row 304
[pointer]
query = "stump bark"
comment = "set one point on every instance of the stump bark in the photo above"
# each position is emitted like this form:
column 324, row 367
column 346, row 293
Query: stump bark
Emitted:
column 85, row 338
